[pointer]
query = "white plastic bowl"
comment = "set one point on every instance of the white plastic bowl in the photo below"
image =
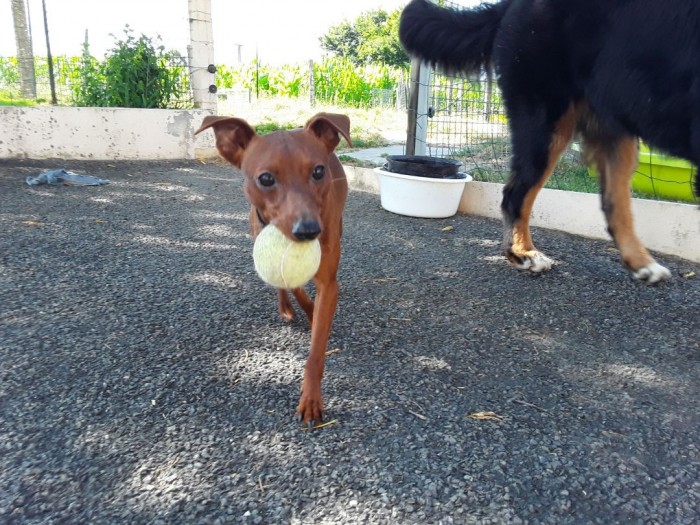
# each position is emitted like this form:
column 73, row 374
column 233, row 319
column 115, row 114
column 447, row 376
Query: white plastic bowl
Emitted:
column 420, row 196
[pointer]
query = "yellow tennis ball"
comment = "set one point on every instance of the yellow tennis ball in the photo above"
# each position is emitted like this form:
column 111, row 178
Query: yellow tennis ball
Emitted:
column 282, row 262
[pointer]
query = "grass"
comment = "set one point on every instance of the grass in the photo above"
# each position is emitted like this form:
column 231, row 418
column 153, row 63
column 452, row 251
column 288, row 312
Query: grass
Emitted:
column 568, row 177
column 571, row 175
column 352, row 161
column 11, row 101
column 269, row 127
column 491, row 161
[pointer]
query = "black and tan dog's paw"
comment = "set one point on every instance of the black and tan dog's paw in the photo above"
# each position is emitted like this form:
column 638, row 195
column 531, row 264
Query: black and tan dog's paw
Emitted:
column 533, row 261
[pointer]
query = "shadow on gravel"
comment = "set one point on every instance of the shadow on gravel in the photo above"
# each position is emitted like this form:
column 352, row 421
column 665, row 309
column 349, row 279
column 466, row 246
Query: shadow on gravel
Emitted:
column 146, row 378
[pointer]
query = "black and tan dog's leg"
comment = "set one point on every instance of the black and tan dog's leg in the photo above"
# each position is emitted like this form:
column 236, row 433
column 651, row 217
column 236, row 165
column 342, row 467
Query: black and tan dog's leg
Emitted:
column 616, row 163
column 534, row 160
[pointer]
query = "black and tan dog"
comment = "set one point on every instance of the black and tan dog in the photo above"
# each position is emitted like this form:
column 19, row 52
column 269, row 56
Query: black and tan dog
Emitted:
column 613, row 71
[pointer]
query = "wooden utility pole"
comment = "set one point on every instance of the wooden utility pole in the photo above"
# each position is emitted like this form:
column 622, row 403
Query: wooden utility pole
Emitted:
column 49, row 57
column 25, row 54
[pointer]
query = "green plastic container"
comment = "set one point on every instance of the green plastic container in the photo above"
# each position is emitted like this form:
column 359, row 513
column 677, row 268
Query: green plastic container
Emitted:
column 661, row 176
column 664, row 176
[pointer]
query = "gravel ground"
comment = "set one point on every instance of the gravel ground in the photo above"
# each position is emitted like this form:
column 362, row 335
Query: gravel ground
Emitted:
column 146, row 377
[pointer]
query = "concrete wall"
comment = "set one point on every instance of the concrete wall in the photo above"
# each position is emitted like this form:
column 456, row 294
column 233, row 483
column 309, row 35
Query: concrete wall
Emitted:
column 102, row 133
column 143, row 134
column 665, row 227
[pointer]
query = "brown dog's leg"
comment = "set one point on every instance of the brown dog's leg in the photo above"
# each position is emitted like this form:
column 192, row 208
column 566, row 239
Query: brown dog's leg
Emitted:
column 287, row 310
column 616, row 162
column 285, row 306
column 522, row 189
column 310, row 406
column 306, row 303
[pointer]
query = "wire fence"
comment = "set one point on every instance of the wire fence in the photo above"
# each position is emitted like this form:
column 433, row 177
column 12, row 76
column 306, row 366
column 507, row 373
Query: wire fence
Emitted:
column 72, row 76
column 466, row 120
column 11, row 89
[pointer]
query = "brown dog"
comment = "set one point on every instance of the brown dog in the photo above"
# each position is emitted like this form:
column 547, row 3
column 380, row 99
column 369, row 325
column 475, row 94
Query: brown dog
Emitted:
column 294, row 181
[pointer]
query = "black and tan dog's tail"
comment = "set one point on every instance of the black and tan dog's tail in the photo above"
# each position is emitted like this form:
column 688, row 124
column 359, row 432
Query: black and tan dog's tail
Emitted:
column 457, row 41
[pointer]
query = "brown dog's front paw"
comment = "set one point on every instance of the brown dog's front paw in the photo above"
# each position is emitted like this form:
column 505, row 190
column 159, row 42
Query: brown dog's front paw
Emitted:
column 310, row 409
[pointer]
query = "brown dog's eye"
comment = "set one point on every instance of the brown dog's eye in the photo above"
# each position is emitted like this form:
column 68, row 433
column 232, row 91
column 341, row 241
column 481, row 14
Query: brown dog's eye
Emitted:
column 319, row 172
column 266, row 179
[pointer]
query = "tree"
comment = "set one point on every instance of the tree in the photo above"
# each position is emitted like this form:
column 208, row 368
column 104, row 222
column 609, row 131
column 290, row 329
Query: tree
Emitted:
column 372, row 38
column 25, row 54
column 342, row 40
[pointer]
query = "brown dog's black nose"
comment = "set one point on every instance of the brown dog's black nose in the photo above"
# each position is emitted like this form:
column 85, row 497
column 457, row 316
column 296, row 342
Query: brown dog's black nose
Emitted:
column 306, row 230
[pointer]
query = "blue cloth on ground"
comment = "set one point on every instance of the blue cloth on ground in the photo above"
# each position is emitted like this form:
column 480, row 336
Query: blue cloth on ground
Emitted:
column 67, row 178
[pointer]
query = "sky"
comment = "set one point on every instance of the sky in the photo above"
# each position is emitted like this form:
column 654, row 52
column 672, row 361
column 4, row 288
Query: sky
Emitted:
column 282, row 31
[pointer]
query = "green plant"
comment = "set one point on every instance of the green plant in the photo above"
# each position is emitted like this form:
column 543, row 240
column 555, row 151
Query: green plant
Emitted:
column 9, row 71
column 339, row 81
column 135, row 73
column 90, row 90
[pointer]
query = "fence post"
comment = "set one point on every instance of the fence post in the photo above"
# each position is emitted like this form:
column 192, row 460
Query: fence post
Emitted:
column 423, row 106
column 412, row 112
column 489, row 93
column 312, row 84
column 417, row 133
column 202, row 68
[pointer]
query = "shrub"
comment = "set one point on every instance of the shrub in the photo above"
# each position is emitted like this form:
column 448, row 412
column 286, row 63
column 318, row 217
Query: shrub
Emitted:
column 134, row 74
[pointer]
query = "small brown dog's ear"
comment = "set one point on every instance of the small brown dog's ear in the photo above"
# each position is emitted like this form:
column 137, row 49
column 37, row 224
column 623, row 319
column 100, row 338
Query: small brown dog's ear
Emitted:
column 232, row 136
column 327, row 126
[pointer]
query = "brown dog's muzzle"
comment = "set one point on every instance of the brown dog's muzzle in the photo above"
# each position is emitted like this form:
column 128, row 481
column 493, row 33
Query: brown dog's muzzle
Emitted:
column 306, row 230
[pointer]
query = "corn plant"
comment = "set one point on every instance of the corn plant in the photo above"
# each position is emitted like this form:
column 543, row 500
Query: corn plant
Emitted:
column 336, row 80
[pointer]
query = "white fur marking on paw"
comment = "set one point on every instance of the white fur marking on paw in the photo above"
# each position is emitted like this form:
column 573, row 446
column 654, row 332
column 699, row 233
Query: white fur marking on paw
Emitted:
column 536, row 263
column 652, row 273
